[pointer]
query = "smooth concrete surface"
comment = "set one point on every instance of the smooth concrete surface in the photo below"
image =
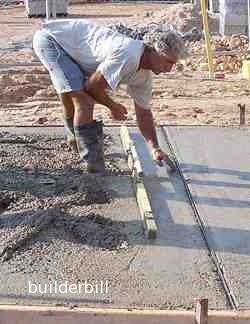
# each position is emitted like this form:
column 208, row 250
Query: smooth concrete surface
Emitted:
column 216, row 165
column 178, row 258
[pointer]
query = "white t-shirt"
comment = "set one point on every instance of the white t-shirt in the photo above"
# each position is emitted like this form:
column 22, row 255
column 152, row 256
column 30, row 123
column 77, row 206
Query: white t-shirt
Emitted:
column 97, row 48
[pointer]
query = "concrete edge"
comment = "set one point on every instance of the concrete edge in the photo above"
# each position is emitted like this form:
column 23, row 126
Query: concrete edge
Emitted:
column 137, row 175
column 128, row 124
column 13, row 314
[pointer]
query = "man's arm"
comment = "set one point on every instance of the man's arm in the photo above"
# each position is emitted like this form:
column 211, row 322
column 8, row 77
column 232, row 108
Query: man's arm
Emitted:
column 146, row 125
column 96, row 87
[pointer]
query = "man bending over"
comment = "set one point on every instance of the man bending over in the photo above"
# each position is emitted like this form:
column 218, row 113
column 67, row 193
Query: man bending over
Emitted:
column 85, row 60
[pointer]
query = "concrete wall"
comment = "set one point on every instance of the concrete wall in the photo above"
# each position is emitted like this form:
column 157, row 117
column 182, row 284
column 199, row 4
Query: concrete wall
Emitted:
column 233, row 16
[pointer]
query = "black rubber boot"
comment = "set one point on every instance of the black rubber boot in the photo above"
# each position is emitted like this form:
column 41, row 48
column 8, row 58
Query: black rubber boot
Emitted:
column 100, row 164
column 89, row 138
column 100, row 140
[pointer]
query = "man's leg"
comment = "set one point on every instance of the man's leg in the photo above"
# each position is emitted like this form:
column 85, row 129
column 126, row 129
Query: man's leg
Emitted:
column 68, row 80
column 68, row 118
column 83, row 107
column 68, row 106
column 88, row 132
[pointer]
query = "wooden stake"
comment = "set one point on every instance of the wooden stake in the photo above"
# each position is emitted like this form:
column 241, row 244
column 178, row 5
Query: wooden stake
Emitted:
column 207, row 38
column 242, row 114
column 201, row 311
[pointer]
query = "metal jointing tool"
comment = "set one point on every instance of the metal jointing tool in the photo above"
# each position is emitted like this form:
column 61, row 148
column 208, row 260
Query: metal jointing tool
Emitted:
column 242, row 114
column 171, row 164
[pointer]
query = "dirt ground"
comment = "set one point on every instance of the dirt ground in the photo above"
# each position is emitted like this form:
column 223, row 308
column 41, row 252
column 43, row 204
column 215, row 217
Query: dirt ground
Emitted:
column 181, row 97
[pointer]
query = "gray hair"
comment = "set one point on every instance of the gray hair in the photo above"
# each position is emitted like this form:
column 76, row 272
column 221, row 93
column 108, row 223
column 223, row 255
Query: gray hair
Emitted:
column 167, row 42
column 162, row 38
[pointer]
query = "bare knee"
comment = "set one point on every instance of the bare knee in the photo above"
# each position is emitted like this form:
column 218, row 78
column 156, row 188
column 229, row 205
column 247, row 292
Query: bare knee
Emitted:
column 81, row 99
column 84, row 107
column 65, row 97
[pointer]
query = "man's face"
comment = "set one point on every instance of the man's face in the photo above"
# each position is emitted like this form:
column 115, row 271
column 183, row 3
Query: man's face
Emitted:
column 162, row 63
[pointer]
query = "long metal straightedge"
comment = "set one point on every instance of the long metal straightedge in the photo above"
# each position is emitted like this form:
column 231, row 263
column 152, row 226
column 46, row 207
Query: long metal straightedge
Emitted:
column 138, row 183
column 202, row 224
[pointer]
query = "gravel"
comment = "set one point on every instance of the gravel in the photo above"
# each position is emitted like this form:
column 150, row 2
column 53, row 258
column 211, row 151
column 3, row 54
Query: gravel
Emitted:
column 47, row 198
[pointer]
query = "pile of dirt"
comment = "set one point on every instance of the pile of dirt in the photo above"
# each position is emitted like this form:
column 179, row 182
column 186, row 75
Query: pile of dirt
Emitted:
column 228, row 43
column 186, row 18
column 228, row 53
column 182, row 17
column 28, row 98
column 238, row 45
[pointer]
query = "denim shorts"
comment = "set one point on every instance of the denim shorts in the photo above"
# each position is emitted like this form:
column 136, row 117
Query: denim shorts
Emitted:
column 66, row 75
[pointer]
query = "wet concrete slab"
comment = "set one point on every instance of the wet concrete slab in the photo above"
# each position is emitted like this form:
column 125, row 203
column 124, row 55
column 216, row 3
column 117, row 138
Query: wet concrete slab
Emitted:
column 216, row 165
column 178, row 258
column 101, row 241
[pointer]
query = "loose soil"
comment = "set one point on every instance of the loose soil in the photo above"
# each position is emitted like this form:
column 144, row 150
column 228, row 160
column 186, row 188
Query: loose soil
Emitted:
column 45, row 197
column 185, row 96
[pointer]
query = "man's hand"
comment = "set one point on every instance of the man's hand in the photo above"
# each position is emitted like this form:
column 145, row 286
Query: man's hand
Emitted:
column 159, row 157
column 119, row 112
column 97, row 87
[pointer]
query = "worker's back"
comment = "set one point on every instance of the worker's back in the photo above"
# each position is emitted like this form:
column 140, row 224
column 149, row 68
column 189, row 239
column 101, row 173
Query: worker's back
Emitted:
column 91, row 44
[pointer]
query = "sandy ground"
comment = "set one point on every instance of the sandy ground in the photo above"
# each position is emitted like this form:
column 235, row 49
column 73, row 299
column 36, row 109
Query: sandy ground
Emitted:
column 186, row 97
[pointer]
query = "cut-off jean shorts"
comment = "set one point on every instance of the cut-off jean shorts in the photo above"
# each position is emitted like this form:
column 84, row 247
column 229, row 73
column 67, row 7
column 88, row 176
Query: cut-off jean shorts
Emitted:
column 66, row 75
